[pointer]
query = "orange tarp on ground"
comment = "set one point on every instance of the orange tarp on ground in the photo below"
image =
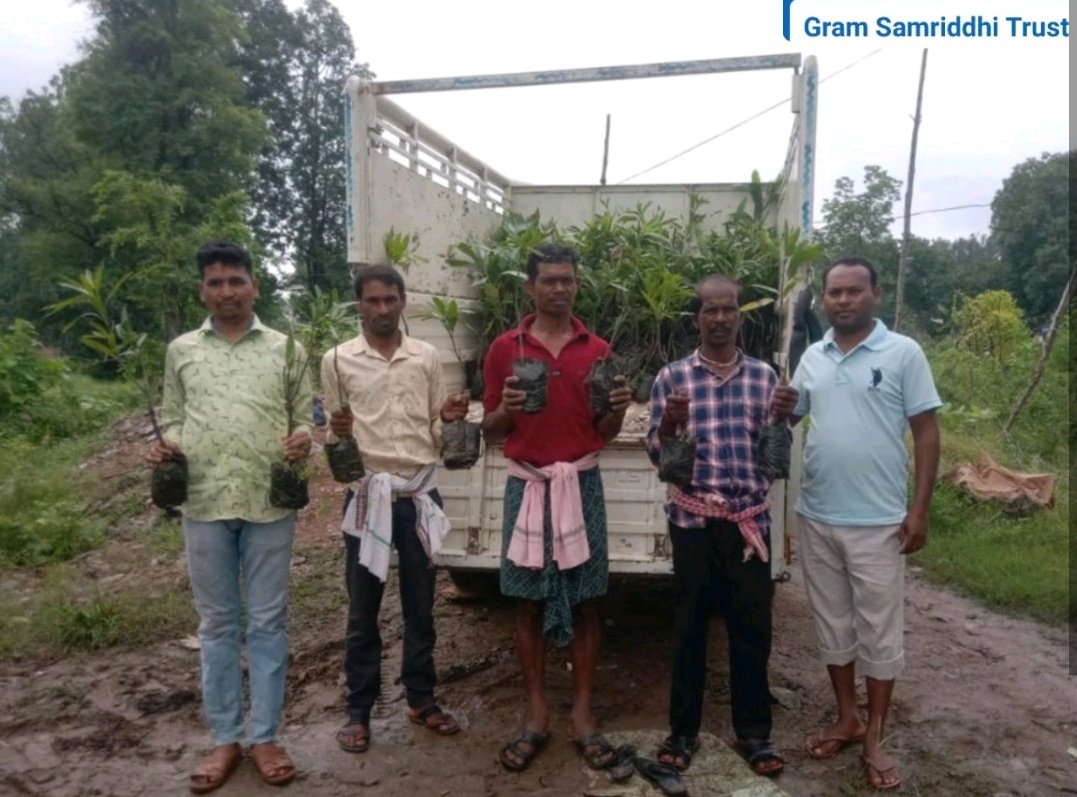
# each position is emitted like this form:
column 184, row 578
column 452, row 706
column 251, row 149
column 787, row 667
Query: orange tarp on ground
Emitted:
column 989, row 480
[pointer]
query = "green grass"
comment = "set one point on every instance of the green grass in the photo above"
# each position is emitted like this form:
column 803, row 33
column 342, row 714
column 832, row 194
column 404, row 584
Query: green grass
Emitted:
column 1016, row 564
column 165, row 536
column 42, row 495
column 60, row 619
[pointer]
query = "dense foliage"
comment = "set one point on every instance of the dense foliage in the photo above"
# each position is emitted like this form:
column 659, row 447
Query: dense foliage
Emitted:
column 637, row 271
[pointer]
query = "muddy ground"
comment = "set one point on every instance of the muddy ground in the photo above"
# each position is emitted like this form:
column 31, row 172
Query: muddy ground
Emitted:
column 986, row 706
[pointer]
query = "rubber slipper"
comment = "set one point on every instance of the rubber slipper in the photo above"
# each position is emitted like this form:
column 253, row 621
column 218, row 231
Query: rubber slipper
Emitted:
column 596, row 750
column 758, row 751
column 625, row 764
column 820, row 738
column 665, row 777
column 880, row 764
column 434, row 719
column 682, row 747
column 214, row 770
column 352, row 741
column 534, row 740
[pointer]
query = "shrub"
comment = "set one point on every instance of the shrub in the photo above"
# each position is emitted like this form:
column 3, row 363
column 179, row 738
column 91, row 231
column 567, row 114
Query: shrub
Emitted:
column 24, row 374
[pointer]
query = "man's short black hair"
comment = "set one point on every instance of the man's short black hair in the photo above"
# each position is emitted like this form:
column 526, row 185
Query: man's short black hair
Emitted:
column 550, row 253
column 695, row 304
column 382, row 272
column 225, row 253
column 863, row 262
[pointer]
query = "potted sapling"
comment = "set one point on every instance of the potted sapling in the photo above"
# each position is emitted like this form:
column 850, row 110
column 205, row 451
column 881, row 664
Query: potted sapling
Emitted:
column 288, row 480
column 119, row 345
column 168, row 479
column 461, row 440
column 345, row 460
column 605, row 375
column 533, row 378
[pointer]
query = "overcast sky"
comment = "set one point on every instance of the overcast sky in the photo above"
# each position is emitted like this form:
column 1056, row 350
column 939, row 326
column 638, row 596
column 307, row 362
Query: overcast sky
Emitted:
column 988, row 103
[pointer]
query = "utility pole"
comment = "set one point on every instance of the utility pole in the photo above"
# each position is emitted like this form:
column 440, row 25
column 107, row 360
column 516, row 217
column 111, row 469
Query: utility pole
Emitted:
column 899, row 299
column 605, row 152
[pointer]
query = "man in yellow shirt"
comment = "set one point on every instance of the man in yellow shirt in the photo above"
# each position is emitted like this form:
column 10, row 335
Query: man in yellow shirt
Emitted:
column 396, row 404
column 224, row 410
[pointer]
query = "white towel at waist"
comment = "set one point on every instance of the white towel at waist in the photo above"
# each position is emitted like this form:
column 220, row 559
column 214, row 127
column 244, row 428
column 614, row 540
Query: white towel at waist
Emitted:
column 370, row 516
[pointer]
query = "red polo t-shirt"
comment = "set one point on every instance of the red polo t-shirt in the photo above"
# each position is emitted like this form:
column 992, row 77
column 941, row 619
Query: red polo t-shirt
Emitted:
column 565, row 430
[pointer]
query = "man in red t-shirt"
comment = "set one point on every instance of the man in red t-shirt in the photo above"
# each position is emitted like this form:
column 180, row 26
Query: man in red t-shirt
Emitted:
column 554, row 548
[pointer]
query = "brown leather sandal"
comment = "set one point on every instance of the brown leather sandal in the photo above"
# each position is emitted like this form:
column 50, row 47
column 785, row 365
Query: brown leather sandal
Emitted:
column 273, row 764
column 215, row 769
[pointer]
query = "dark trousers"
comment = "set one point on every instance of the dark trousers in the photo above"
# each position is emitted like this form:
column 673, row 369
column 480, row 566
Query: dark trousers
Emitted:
column 708, row 567
column 362, row 655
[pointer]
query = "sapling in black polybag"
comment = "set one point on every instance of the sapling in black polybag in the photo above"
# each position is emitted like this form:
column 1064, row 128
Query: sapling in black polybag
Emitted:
column 601, row 379
column 461, row 441
column 775, row 450
column 677, row 459
column 288, row 480
column 534, row 378
column 775, row 446
column 345, row 460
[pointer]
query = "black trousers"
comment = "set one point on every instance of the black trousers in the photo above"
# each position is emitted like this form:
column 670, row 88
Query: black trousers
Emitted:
column 363, row 646
column 708, row 567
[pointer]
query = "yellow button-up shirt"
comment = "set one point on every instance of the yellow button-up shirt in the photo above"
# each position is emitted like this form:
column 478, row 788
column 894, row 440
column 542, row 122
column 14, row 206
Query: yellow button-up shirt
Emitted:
column 224, row 406
column 396, row 402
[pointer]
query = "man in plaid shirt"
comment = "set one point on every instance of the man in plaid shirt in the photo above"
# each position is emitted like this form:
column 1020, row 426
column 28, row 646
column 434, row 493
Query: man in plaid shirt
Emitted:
column 719, row 524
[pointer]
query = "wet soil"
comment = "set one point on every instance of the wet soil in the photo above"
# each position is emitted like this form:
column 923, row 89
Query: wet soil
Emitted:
column 986, row 706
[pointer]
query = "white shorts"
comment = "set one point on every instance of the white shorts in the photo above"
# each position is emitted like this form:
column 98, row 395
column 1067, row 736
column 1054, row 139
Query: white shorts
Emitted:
column 855, row 579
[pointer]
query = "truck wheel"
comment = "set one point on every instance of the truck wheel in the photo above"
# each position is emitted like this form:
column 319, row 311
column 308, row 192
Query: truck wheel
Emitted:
column 475, row 583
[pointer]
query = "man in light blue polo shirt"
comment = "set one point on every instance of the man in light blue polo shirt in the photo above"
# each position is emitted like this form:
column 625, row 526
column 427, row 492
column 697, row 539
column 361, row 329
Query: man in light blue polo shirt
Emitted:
column 862, row 386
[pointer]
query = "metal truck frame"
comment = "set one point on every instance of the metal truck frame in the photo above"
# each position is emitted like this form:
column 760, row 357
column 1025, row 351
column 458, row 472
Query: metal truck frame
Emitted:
column 403, row 175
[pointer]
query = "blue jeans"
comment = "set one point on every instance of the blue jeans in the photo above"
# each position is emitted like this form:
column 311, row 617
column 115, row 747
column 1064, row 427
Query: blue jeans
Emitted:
column 217, row 552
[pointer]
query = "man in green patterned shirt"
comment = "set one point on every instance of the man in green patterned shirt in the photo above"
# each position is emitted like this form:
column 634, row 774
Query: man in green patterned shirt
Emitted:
column 224, row 409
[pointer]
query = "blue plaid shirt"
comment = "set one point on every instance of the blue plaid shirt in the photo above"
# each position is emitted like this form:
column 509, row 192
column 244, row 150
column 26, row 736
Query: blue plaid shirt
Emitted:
column 724, row 417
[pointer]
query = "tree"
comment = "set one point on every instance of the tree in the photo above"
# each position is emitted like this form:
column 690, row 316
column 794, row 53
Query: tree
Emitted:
column 156, row 94
column 126, row 157
column 991, row 325
column 858, row 224
column 265, row 59
column 46, row 178
column 1030, row 224
column 295, row 68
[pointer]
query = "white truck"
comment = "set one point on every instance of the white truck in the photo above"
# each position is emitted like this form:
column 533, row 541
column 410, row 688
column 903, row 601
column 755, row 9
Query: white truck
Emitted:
column 404, row 176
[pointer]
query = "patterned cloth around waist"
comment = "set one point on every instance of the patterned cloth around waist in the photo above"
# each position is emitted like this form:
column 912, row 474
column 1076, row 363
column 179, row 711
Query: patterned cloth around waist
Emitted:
column 714, row 505
column 560, row 590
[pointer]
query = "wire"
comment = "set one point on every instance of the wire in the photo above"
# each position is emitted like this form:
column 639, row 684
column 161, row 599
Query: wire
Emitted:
column 924, row 212
column 743, row 122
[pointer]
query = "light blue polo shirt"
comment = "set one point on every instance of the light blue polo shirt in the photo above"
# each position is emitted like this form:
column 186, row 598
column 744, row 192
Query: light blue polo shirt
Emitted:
column 855, row 460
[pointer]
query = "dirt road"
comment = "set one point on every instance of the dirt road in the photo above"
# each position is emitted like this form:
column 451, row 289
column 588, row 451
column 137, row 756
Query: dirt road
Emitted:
column 986, row 706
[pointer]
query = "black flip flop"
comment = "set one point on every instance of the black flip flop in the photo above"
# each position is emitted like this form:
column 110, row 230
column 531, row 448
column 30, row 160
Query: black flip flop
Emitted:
column 682, row 747
column 665, row 777
column 535, row 739
column 625, row 764
column 602, row 755
column 756, row 751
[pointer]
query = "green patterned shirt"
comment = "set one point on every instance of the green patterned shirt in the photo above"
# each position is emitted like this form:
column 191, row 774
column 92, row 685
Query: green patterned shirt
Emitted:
column 224, row 406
